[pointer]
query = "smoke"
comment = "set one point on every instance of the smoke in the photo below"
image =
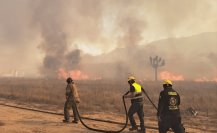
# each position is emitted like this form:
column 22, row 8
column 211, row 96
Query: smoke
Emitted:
column 130, row 23
column 11, row 12
column 193, row 57
column 86, row 20
column 132, row 32
column 17, row 38
column 61, row 28
column 52, row 31
column 48, row 16
column 73, row 59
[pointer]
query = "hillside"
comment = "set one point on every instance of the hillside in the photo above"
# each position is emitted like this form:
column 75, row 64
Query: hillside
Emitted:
column 193, row 57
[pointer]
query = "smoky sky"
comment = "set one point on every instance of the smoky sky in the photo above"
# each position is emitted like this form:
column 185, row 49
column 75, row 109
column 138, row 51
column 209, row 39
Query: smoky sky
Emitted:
column 46, row 33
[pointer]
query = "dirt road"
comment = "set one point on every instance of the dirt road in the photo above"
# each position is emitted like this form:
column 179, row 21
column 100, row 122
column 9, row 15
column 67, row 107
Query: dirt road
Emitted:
column 14, row 120
column 22, row 121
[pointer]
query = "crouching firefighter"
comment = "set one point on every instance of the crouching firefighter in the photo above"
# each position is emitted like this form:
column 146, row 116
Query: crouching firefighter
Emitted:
column 168, row 110
column 135, row 94
column 72, row 98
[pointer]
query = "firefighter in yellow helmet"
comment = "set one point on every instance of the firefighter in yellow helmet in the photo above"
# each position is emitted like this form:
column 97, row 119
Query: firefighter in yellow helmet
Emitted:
column 168, row 109
column 135, row 94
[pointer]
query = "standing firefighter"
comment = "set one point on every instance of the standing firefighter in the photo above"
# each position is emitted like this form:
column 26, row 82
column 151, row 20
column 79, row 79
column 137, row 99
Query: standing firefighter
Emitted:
column 168, row 110
column 136, row 104
column 72, row 98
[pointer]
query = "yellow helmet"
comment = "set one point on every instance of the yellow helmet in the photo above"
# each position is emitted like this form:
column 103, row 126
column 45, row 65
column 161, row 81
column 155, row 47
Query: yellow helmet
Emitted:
column 168, row 82
column 131, row 78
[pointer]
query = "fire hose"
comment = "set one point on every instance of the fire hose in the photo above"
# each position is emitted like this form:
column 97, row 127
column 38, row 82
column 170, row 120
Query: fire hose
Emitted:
column 81, row 118
column 105, row 131
column 61, row 114
column 149, row 99
column 126, row 122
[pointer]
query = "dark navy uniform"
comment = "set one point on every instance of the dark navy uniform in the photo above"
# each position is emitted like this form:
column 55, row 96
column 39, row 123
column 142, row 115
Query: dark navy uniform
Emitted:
column 168, row 111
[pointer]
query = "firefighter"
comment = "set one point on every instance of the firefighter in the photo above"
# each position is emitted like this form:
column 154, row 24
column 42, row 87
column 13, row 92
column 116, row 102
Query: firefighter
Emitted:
column 168, row 110
column 135, row 94
column 72, row 98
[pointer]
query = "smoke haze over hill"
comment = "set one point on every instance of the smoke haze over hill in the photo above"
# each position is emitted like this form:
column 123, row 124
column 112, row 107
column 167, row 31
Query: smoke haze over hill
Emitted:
column 40, row 37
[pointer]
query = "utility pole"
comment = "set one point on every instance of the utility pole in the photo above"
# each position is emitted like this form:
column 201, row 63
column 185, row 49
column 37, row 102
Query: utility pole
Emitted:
column 156, row 62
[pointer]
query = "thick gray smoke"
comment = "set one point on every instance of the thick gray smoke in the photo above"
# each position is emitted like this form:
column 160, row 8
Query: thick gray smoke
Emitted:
column 59, row 29
column 72, row 59
column 52, row 17
column 48, row 16
column 53, row 34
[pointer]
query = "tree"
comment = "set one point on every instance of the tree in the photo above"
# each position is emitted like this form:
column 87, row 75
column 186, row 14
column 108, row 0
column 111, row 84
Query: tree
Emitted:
column 156, row 62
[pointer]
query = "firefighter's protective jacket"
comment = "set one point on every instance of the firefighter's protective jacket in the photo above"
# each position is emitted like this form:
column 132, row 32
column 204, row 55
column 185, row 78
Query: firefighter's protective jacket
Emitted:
column 169, row 101
column 72, row 93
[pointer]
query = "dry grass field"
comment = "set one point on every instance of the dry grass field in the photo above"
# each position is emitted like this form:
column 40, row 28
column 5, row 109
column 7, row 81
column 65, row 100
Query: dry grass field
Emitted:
column 105, row 97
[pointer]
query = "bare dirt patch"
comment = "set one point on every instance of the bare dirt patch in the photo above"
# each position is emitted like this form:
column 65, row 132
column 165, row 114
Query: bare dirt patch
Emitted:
column 2, row 124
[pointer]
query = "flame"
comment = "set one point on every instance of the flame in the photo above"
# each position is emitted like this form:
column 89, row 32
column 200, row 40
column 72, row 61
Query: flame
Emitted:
column 75, row 74
column 62, row 74
column 171, row 76
column 205, row 79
